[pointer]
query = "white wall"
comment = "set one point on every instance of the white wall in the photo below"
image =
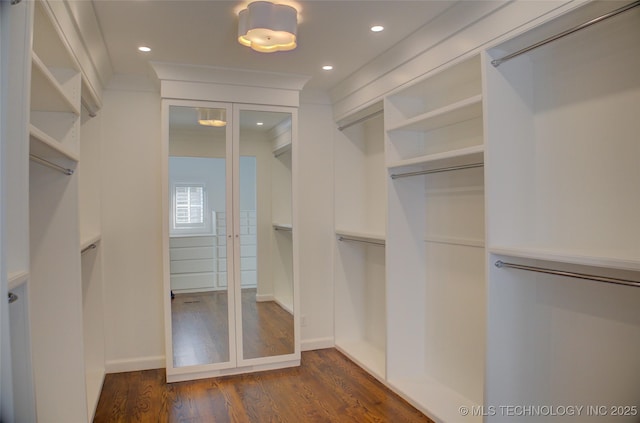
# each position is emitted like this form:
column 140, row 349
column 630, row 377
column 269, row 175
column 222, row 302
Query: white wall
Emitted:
column 132, row 237
column 315, row 135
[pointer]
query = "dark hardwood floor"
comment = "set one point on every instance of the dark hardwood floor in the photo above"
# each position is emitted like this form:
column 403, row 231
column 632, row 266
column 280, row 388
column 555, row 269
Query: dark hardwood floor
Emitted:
column 327, row 387
column 201, row 334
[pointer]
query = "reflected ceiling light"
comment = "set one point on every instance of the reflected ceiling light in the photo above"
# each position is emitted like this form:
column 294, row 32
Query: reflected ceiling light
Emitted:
column 144, row 49
column 268, row 27
column 327, row 67
column 212, row 117
column 377, row 28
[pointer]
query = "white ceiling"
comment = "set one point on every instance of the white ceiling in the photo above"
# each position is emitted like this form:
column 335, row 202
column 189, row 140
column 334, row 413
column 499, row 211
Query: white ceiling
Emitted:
column 203, row 32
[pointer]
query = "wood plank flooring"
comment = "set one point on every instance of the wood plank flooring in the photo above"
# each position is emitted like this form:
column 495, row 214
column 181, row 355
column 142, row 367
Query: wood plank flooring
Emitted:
column 327, row 387
column 201, row 333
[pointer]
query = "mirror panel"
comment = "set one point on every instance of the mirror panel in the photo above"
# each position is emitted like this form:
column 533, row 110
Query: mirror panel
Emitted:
column 266, row 255
column 198, row 227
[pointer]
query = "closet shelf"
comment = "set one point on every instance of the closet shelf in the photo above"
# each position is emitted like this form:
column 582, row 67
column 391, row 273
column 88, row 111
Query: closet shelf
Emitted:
column 606, row 259
column 281, row 149
column 460, row 157
column 47, row 147
column 465, row 242
column 15, row 279
column 460, row 111
column 375, row 238
column 436, row 400
column 47, row 94
column 86, row 242
column 282, row 227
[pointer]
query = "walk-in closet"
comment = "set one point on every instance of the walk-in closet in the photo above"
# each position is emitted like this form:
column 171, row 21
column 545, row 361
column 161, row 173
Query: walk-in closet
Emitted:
column 442, row 195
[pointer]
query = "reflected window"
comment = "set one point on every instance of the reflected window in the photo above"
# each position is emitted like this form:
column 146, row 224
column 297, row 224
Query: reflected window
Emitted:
column 189, row 206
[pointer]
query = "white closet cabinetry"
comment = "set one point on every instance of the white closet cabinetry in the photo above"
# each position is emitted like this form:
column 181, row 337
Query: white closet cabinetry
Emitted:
column 55, row 273
column 52, row 336
column 360, row 220
column 562, row 177
column 435, row 242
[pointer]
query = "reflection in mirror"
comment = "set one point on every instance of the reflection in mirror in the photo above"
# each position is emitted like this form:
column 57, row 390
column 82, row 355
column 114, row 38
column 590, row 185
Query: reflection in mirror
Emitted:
column 197, row 243
column 266, row 268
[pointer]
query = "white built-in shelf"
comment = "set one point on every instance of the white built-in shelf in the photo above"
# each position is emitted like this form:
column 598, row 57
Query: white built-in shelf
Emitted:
column 460, row 111
column 436, row 400
column 366, row 355
column 88, row 241
column 282, row 227
column 606, row 259
column 465, row 242
column 459, row 157
column 46, row 147
column 15, row 279
column 47, row 94
column 374, row 238
column 281, row 149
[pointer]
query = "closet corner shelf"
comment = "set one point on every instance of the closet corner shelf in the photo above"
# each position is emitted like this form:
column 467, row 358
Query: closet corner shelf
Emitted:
column 47, row 147
column 282, row 227
column 436, row 400
column 15, row 279
column 46, row 92
column 371, row 237
column 460, row 111
column 86, row 242
column 281, row 149
column 462, row 156
column 605, row 260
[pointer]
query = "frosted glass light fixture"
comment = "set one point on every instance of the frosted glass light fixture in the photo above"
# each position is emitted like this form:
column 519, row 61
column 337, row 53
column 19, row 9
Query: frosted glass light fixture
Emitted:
column 212, row 117
column 267, row 27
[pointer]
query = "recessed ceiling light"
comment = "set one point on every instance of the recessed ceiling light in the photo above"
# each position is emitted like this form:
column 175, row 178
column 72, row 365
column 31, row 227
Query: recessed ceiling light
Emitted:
column 377, row 28
column 327, row 67
column 259, row 123
column 144, row 49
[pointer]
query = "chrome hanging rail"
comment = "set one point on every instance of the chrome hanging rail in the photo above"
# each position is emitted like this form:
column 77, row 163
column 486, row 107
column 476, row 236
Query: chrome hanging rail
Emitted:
column 89, row 247
column 362, row 119
column 500, row 264
column 47, row 163
column 347, row 238
column 498, row 62
column 442, row 169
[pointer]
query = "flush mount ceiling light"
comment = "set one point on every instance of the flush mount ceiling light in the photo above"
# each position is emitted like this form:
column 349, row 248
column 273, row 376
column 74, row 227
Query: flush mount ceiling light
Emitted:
column 268, row 27
column 212, row 117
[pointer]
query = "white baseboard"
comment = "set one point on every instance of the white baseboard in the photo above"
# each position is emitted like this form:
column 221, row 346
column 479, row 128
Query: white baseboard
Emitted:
column 317, row 344
column 264, row 297
column 135, row 364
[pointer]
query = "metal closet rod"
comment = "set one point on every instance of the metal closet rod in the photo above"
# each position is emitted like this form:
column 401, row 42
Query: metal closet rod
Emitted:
column 442, row 169
column 346, row 238
column 498, row 62
column 47, row 163
column 362, row 119
column 89, row 247
column 281, row 228
column 500, row 264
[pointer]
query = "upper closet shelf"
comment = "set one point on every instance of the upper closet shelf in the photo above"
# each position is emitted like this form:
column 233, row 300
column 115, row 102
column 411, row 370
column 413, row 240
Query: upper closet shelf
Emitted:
column 89, row 241
column 461, row 111
column 454, row 158
column 607, row 259
column 281, row 149
column 46, row 147
column 15, row 279
column 282, row 227
column 47, row 92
